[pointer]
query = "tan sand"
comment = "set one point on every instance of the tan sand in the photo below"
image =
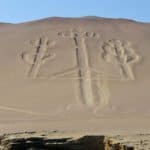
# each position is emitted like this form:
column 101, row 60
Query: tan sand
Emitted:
column 84, row 74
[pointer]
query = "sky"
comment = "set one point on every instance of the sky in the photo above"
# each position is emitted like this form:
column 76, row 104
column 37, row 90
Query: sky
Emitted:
column 16, row 11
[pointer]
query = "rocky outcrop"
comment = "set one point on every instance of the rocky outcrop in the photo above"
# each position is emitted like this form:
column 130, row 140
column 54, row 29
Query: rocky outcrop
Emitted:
column 32, row 141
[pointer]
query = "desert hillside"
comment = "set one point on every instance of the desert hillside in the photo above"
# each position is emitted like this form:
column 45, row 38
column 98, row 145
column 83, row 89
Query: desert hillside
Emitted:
column 81, row 74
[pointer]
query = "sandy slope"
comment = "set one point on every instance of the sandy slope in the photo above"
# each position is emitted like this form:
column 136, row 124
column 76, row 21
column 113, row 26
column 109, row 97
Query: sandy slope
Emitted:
column 75, row 74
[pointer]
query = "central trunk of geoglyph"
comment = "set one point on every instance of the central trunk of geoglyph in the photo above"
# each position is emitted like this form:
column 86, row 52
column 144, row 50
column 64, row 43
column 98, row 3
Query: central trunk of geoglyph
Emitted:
column 84, row 72
column 91, row 91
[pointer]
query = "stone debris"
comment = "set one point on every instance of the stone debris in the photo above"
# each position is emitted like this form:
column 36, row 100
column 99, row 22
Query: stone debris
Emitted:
column 49, row 141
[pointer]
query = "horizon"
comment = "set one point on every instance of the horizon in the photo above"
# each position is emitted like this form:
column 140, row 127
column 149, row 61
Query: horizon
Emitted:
column 82, row 17
column 17, row 11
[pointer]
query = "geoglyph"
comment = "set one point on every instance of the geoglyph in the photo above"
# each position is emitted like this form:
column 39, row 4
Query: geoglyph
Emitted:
column 115, row 52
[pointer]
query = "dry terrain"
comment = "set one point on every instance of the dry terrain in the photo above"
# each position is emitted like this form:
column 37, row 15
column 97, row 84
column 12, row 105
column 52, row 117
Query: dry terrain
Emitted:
column 88, row 75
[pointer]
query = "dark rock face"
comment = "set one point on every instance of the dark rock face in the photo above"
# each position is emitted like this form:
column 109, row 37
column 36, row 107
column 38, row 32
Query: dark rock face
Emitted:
column 44, row 143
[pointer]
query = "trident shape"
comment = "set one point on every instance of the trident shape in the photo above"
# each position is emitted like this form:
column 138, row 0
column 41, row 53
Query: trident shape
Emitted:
column 93, row 91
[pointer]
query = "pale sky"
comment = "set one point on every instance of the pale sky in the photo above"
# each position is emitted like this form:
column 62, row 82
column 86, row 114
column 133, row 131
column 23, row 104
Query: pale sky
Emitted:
column 15, row 11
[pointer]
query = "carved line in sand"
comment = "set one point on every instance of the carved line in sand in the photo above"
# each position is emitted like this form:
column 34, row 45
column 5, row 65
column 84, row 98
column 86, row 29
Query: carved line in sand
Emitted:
column 93, row 91
column 78, row 33
column 121, row 54
column 20, row 110
column 38, row 56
